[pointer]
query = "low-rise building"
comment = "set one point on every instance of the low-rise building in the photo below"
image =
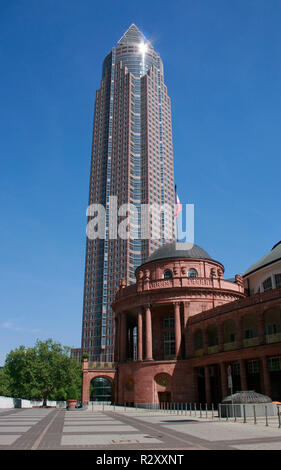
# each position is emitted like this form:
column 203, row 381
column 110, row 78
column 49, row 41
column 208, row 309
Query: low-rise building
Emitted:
column 182, row 330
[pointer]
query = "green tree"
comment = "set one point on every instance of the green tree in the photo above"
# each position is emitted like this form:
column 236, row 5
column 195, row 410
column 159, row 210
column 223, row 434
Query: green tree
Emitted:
column 4, row 383
column 45, row 371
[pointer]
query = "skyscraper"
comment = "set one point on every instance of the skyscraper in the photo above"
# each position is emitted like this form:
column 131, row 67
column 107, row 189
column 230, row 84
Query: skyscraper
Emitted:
column 132, row 163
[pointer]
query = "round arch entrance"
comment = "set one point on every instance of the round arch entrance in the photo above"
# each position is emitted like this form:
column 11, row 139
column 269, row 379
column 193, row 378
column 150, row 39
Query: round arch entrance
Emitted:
column 101, row 389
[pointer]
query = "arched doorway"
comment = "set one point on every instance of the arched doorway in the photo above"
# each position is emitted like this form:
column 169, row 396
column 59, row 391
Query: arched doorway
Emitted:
column 101, row 389
column 163, row 389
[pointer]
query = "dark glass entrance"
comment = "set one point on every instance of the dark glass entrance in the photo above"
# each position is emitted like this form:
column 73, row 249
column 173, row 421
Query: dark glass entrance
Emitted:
column 274, row 365
column 101, row 389
column 164, row 399
column 253, row 375
column 201, row 384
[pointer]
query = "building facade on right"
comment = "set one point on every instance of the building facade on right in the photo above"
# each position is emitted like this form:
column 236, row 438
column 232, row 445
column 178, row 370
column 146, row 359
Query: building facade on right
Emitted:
column 249, row 335
column 266, row 273
column 182, row 330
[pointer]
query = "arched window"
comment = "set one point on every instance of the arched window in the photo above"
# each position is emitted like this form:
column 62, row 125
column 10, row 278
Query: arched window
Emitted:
column 250, row 327
column 229, row 331
column 267, row 284
column 192, row 273
column 101, row 389
column 272, row 322
column 168, row 274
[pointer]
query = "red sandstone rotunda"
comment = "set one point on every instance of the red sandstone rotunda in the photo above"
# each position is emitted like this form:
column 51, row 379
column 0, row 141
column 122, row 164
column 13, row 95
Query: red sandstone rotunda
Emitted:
column 155, row 341
column 182, row 327
column 153, row 345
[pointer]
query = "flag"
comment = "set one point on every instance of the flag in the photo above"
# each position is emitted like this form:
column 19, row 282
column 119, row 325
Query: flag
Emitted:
column 178, row 206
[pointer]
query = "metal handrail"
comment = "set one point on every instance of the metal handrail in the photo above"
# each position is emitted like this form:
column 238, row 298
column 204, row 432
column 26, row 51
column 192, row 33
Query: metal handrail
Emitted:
column 263, row 413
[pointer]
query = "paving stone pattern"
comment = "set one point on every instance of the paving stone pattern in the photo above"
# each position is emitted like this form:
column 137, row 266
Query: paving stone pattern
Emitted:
column 54, row 429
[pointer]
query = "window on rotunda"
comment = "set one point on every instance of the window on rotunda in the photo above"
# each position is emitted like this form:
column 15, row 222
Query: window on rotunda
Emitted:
column 168, row 274
column 192, row 273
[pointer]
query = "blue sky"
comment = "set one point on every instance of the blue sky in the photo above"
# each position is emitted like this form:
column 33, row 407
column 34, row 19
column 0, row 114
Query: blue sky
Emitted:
column 222, row 69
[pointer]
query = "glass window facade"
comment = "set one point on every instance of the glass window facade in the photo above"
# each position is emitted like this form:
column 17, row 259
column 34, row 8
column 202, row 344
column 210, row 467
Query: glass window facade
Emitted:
column 132, row 160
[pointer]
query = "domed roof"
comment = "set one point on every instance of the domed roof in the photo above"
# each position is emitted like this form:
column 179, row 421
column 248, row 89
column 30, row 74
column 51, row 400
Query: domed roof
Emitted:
column 178, row 250
column 271, row 257
column 247, row 396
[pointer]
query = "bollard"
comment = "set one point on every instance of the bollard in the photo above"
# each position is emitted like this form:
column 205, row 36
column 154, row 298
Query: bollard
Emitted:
column 200, row 410
column 266, row 418
column 255, row 418
column 195, row 408
column 278, row 414
column 219, row 411
column 244, row 414
column 212, row 411
column 206, row 410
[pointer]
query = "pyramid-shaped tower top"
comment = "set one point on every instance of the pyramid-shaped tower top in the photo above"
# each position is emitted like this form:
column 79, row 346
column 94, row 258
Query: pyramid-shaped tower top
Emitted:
column 132, row 35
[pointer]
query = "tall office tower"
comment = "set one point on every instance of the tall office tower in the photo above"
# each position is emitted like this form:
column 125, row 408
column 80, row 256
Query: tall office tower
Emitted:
column 132, row 163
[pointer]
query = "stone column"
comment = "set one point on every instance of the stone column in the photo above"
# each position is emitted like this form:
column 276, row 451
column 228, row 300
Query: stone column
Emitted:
column 119, row 336
column 148, row 334
column 243, row 374
column 85, row 398
column 177, row 328
column 224, row 388
column 140, row 352
column 185, row 313
column 123, row 337
column 130, row 353
column 116, row 345
column 207, row 385
column 187, row 339
column 266, row 385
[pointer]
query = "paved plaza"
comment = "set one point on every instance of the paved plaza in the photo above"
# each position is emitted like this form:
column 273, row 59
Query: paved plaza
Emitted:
column 129, row 429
